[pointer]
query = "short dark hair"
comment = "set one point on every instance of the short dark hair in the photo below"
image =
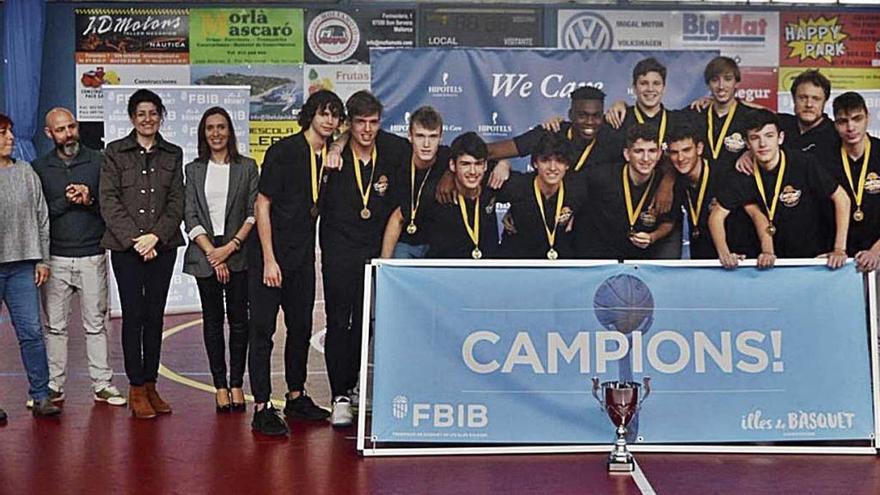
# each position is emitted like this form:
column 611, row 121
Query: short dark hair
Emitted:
column 645, row 132
column 469, row 143
column 814, row 77
column 231, row 144
column 318, row 102
column 363, row 103
column 145, row 96
column 588, row 93
column 684, row 131
column 721, row 65
column 761, row 118
column 552, row 145
column 646, row 65
column 849, row 102
column 5, row 121
column 427, row 117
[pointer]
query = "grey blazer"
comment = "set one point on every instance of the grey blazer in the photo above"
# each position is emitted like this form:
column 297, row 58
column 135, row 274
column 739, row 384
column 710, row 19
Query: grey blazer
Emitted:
column 243, row 182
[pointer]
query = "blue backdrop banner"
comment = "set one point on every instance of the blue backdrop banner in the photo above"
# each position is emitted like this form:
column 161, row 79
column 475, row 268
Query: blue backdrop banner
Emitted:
column 505, row 355
column 501, row 93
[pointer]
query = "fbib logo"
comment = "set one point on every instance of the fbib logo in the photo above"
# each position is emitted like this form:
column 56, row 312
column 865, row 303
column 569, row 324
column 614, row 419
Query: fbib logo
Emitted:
column 494, row 129
column 587, row 31
column 726, row 28
column 399, row 407
column 440, row 415
column 333, row 36
column 445, row 89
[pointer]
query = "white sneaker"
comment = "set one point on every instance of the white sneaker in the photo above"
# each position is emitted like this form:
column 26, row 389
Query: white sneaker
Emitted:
column 110, row 395
column 341, row 415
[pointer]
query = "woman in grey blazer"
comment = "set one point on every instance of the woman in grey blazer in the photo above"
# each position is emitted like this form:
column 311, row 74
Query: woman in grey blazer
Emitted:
column 221, row 187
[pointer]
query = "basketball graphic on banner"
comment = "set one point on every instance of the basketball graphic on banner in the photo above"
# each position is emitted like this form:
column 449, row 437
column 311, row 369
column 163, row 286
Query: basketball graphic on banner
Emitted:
column 624, row 303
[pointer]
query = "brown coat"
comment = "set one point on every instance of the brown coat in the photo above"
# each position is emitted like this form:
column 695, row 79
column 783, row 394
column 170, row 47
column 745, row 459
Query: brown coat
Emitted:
column 139, row 197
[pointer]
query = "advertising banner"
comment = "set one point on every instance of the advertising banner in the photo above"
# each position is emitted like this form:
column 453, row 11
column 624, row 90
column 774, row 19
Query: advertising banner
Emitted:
column 185, row 106
column 758, row 86
column 830, row 39
column 481, row 27
column 336, row 37
column 505, row 355
column 264, row 133
column 751, row 38
column 245, row 36
column 344, row 80
column 127, row 46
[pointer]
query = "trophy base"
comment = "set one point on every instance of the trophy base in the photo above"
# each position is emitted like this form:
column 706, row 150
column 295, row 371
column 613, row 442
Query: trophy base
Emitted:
column 621, row 467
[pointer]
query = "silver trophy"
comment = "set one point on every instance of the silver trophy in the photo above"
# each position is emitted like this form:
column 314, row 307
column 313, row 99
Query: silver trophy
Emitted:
column 621, row 401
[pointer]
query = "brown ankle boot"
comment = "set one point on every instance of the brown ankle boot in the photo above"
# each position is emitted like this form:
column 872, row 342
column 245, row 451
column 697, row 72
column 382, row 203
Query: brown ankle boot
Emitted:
column 139, row 404
column 159, row 405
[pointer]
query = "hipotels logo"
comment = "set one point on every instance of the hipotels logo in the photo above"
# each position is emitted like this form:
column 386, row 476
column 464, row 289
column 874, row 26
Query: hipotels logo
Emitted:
column 441, row 415
column 495, row 129
column 445, row 89
column 401, row 129
column 724, row 28
column 587, row 31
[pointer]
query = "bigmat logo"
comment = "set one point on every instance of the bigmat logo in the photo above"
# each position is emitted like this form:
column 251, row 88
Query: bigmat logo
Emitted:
column 724, row 28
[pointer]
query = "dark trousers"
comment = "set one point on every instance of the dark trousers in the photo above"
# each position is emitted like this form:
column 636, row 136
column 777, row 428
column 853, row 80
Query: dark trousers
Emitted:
column 143, row 291
column 344, row 304
column 211, row 293
column 296, row 297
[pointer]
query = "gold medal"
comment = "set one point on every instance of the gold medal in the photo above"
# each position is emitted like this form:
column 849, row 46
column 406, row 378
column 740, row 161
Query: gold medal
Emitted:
column 365, row 196
column 641, row 120
column 317, row 175
column 695, row 233
column 476, row 253
column 472, row 231
column 551, row 233
column 313, row 211
column 771, row 208
column 552, row 254
column 365, row 213
column 771, row 229
column 411, row 228
column 634, row 213
column 715, row 147
column 858, row 215
column 415, row 199
column 695, row 212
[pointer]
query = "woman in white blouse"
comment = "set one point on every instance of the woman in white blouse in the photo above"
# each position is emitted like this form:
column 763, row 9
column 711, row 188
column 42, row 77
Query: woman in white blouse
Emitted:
column 221, row 187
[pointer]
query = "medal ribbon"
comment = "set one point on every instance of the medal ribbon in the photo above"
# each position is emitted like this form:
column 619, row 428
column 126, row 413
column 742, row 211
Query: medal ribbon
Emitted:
column 551, row 235
column 844, row 156
column 365, row 196
column 695, row 212
column 627, row 196
column 713, row 146
column 771, row 210
column 415, row 199
column 473, row 233
column 317, row 176
column 641, row 120
column 584, row 155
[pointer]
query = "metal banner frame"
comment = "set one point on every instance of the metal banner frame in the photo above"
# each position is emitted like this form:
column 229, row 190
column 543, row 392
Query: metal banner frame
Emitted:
column 368, row 447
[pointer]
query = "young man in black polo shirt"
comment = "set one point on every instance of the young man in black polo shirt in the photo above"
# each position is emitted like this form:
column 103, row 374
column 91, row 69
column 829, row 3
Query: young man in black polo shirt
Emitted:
column 788, row 189
column 417, row 176
column 358, row 201
column 282, row 263
column 542, row 204
column 619, row 222
column 468, row 229
column 856, row 167
column 592, row 142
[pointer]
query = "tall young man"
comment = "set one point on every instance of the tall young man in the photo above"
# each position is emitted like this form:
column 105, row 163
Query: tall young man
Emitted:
column 856, row 167
column 358, row 203
column 621, row 223
column 416, row 179
column 70, row 174
column 282, row 261
column 788, row 189
column 467, row 228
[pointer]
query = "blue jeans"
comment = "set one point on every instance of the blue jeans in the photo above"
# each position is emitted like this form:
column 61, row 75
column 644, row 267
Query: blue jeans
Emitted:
column 19, row 292
column 406, row 251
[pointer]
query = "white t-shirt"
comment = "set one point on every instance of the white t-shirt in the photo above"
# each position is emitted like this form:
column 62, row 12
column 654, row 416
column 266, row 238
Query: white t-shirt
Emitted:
column 216, row 190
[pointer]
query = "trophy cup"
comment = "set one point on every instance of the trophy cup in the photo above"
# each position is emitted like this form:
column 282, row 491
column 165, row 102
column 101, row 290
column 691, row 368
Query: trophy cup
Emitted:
column 621, row 402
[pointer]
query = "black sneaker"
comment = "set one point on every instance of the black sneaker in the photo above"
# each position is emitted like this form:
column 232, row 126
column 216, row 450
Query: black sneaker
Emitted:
column 304, row 409
column 268, row 422
column 45, row 408
column 2, row 416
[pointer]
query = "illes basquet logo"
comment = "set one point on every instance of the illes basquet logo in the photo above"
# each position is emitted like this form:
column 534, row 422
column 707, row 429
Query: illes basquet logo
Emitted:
column 587, row 31
column 790, row 196
column 872, row 183
column 333, row 36
column 445, row 88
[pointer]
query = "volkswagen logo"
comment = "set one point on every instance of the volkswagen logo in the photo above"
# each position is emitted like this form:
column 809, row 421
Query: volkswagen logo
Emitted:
column 587, row 31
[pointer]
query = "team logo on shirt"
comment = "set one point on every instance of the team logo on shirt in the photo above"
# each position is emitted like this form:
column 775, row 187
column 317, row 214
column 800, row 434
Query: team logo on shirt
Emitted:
column 790, row 196
column 648, row 218
column 564, row 216
column 872, row 183
column 381, row 185
column 734, row 143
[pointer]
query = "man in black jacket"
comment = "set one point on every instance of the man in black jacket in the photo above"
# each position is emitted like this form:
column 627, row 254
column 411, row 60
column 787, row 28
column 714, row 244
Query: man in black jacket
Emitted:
column 69, row 174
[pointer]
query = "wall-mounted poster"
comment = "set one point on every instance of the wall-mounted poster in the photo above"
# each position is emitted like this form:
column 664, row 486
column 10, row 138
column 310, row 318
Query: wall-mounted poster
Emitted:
column 337, row 37
column 830, row 39
column 244, row 36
